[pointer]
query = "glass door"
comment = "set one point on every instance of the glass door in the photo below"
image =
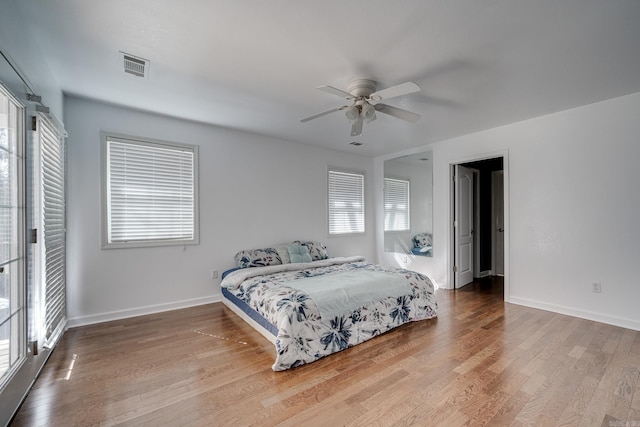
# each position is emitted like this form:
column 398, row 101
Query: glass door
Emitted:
column 13, row 341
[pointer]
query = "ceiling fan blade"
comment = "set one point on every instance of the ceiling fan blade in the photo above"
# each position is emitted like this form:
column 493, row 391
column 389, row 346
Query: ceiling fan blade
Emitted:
column 335, row 91
column 324, row 113
column 393, row 91
column 356, row 128
column 397, row 112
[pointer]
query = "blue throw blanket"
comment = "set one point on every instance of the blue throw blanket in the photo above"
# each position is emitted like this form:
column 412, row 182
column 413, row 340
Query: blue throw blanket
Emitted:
column 338, row 293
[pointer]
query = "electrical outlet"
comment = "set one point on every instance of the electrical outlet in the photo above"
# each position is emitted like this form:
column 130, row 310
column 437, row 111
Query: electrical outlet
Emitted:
column 214, row 274
column 596, row 287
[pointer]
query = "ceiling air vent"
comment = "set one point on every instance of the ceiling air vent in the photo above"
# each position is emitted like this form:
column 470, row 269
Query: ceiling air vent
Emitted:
column 135, row 65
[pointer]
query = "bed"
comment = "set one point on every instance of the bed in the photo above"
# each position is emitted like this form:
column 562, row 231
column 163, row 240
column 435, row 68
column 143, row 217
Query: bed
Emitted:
column 422, row 244
column 312, row 307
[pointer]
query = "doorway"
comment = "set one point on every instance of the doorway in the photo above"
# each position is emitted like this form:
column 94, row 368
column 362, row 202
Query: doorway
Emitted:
column 478, row 221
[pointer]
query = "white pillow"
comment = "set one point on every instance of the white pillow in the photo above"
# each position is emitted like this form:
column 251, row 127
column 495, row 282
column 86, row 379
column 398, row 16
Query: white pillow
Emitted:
column 283, row 251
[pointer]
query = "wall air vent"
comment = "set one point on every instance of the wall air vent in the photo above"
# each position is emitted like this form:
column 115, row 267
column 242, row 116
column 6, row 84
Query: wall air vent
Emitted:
column 135, row 65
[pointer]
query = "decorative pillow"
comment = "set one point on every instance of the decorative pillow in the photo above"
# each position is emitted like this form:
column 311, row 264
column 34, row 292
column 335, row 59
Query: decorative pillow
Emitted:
column 299, row 253
column 421, row 240
column 257, row 258
column 317, row 250
column 283, row 251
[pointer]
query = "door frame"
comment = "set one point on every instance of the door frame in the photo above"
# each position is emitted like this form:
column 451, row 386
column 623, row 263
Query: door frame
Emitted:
column 449, row 215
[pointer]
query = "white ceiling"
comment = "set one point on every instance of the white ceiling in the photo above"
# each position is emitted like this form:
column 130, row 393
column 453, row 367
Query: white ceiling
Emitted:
column 254, row 64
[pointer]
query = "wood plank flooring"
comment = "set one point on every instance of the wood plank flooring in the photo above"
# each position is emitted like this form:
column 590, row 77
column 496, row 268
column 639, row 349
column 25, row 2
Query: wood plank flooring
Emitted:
column 481, row 362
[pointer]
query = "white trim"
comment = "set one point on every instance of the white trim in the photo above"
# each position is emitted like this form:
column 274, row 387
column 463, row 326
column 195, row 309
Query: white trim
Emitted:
column 140, row 311
column 450, row 237
column 582, row 314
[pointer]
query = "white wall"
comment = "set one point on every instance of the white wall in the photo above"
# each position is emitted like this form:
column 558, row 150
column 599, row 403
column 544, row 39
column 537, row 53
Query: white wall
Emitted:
column 255, row 192
column 19, row 45
column 574, row 208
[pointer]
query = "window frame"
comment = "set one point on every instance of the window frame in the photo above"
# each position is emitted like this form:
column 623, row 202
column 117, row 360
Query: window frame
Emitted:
column 364, row 210
column 104, row 137
column 384, row 197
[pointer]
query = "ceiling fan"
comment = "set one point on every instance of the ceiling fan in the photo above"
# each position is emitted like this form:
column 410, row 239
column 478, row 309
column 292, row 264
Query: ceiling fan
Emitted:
column 366, row 101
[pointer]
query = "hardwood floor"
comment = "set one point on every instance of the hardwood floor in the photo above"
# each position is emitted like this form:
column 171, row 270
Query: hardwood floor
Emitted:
column 481, row 362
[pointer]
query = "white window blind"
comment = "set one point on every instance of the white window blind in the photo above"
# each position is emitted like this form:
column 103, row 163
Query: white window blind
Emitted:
column 52, row 165
column 151, row 193
column 396, row 205
column 346, row 202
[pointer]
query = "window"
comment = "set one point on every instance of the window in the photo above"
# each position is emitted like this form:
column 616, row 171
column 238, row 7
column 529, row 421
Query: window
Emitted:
column 346, row 202
column 12, row 285
column 396, row 205
column 150, row 192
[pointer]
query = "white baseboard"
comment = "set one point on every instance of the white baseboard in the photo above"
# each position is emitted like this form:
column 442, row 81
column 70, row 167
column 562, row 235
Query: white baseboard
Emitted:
column 485, row 273
column 583, row 314
column 140, row 311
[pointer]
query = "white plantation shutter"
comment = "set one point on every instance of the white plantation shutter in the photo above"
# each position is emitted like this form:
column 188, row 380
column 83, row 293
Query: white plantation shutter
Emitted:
column 151, row 192
column 396, row 205
column 346, row 202
column 53, row 223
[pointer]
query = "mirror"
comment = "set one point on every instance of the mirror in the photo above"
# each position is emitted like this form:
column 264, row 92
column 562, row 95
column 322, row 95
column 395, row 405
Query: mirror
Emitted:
column 408, row 204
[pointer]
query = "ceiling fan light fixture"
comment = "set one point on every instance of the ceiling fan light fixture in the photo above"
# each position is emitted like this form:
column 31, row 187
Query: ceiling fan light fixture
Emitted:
column 352, row 112
column 368, row 113
column 363, row 91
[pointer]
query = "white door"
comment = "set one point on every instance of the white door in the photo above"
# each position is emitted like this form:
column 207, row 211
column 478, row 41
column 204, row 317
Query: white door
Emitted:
column 497, row 181
column 463, row 225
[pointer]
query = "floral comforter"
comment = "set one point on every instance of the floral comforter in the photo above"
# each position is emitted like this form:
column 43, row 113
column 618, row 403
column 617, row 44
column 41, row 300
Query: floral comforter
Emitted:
column 303, row 335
